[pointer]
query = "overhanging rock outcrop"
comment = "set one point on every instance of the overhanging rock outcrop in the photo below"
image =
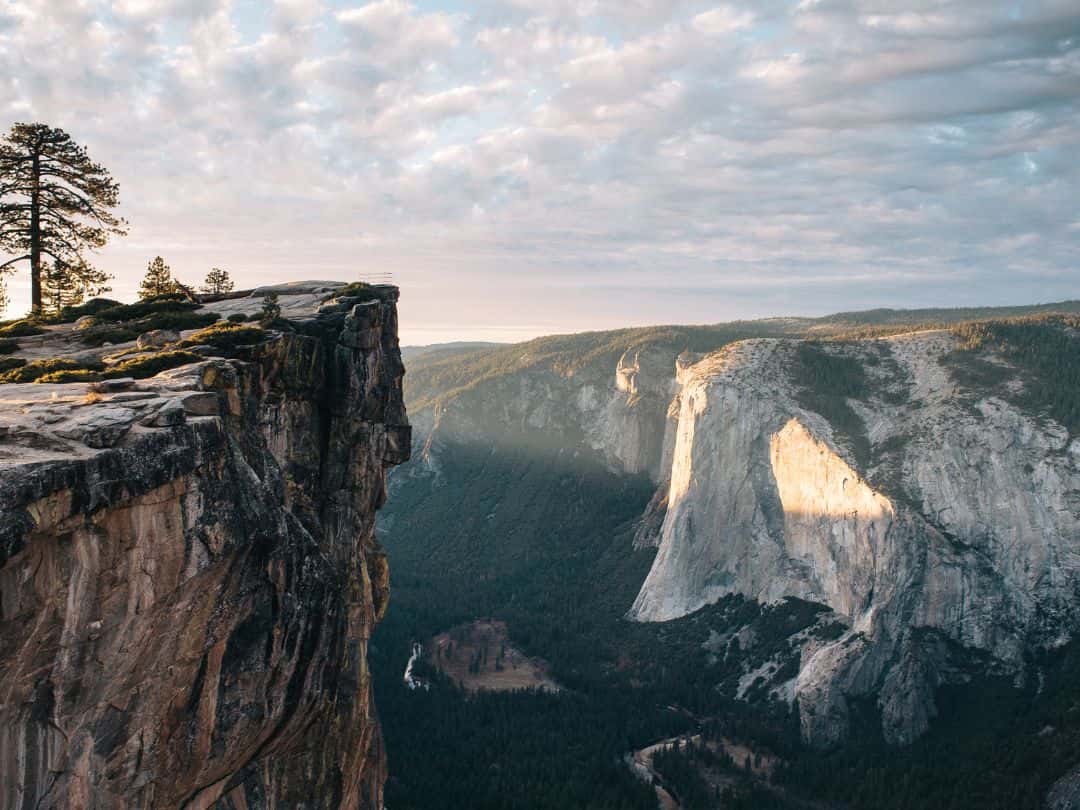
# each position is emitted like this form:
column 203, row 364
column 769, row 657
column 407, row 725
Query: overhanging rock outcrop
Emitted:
column 189, row 575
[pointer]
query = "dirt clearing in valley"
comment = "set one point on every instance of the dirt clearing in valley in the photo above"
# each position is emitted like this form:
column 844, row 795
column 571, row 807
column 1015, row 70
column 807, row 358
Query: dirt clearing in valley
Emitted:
column 479, row 656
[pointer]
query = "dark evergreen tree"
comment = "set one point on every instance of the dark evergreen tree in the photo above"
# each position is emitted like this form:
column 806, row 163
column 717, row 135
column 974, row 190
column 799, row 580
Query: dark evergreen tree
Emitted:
column 158, row 280
column 64, row 285
column 218, row 282
column 271, row 309
column 55, row 203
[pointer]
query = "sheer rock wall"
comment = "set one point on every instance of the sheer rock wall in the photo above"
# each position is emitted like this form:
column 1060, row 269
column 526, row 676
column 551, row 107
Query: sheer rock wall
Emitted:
column 955, row 543
column 189, row 576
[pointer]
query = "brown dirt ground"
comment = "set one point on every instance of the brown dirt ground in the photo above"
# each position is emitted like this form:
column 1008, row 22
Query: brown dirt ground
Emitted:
column 501, row 666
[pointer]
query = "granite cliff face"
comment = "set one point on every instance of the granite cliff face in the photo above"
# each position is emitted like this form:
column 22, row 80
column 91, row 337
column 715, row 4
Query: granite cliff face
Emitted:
column 189, row 575
column 944, row 531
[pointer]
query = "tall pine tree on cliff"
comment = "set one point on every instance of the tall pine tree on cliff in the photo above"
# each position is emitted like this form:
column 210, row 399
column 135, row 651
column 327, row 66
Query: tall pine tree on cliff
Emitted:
column 55, row 202
column 218, row 282
column 158, row 280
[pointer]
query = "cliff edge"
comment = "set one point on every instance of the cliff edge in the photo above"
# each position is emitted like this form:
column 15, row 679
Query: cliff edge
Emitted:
column 189, row 573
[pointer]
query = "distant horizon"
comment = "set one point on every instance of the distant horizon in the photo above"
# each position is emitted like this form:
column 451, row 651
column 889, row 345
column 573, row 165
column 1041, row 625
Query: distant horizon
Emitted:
column 409, row 344
column 418, row 337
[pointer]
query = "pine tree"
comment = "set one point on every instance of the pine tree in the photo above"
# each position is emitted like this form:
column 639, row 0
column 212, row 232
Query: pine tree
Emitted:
column 271, row 309
column 54, row 201
column 65, row 285
column 158, row 280
column 218, row 282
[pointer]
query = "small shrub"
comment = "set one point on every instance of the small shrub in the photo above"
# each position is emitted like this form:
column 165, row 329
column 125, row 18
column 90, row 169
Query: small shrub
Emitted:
column 91, row 307
column 99, row 337
column 143, row 367
column 159, row 320
column 70, row 376
column 65, row 370
column 355, row 288
column 226, row 335
column 174, row 296
column 8, row 363
column 176, row 320
column 23, row 328
column 358, row 288
column 9, row 346
column 141, row 309
column 238, row 317
column 30, row 372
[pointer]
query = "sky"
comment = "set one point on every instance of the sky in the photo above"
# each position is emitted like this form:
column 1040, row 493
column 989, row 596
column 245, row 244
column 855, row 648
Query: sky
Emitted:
column 527, row 167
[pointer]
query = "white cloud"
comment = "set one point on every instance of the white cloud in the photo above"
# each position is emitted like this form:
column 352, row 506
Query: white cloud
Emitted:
column 723, row 20
column 854, row 154
column 398, row 30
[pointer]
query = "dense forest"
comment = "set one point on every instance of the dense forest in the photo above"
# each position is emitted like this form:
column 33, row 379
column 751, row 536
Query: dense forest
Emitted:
column 1045, row 349
column 555, row 563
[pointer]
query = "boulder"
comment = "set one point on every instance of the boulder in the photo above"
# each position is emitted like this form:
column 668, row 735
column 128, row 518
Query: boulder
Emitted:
column 157, row 338
column 109, row 386
column 170, row 414
column 202, row 403
column 90, row 359
column 99, row 427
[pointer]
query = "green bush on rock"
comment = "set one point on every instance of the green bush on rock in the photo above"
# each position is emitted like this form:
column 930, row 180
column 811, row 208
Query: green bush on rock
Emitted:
column 71, row 376
column 141, row 309
column 71, row 314
column 119, row 334
column 65, row 370
column 130, row 330
column 32, row 371
column 23, row 328
column 143, row 367
column 225, row 335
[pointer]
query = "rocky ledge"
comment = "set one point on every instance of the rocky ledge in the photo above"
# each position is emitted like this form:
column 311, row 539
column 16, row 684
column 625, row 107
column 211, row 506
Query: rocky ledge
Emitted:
column 189, row 573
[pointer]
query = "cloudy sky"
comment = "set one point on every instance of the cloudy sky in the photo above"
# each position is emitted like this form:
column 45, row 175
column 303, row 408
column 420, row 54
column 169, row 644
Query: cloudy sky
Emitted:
column 532, row 166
